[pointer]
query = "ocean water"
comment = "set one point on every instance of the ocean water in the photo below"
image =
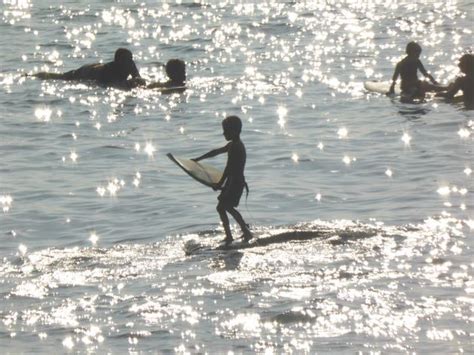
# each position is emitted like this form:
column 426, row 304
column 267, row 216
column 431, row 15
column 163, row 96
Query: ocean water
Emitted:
column 362, row 206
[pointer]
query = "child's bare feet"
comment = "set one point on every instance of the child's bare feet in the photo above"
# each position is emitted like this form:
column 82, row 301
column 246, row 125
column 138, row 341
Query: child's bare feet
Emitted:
column 247, row 235
column 227, row 240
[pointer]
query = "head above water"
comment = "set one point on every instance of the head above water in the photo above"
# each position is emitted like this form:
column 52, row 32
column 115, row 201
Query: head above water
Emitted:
column 232, row 126
column 123, row 55
column 413, row 49
column 176, row 70
column 466, row 64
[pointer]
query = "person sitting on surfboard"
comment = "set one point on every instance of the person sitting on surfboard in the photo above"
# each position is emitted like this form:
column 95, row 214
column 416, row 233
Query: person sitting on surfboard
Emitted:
column 407, row 69
column 233, row 180
column 114, row 73
column 464, row 83
column 176, row 71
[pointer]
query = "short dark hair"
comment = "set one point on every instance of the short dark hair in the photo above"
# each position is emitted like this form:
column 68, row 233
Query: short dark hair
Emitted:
column 467, row 60
column 176, row 70
column 413, row 48
column 233, row 124
column 122, row 54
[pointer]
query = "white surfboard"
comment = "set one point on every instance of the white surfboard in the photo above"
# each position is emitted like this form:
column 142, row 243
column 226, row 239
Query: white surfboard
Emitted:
column 171, row 90
column 380, row 87
column 204, row 173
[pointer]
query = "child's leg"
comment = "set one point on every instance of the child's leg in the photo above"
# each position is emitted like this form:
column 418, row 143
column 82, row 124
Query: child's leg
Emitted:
column 221, row 209
column 240, row 220
column 44, row 75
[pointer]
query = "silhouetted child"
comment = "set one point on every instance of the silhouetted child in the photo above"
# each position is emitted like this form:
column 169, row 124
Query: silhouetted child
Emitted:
column 464, row 83
column 233, row 177
column 113, row 73
column 407, row 69
column 176, row 71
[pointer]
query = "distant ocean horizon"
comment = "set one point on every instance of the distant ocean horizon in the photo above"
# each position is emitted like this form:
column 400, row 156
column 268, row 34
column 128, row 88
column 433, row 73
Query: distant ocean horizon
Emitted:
column 361, row 206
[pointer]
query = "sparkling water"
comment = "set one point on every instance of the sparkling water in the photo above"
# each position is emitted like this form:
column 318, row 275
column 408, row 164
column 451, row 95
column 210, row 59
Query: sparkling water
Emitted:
column 362, row 206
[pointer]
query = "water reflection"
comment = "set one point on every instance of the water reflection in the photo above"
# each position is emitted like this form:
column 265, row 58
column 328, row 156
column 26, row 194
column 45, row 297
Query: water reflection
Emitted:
column 6, row 202
column 364, row 286
column 273, row 279
column 406, row 139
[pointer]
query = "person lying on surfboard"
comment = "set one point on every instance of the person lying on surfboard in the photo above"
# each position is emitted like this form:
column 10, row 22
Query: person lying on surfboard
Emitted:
column 113, row 74
column 464, row 83
column 176, row 71
column 407, row 69
column 233, row 179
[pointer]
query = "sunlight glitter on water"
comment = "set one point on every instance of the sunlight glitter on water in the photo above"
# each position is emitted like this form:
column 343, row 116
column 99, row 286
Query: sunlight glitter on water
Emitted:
column 270, row 275
column 93, row 238
column 149, row 149
column 73, row 156
column 406, row 139
column 464, row 133
column 43, row 114
column 295, row 157
column 129, row 285
column 112, row 187
column 282, row 112
column 342, row 133
column 6, row 202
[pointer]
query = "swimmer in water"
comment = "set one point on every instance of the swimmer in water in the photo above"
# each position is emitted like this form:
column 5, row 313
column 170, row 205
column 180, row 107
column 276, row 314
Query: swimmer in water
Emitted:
column 176, row 71
column 407, row 69
column 464, row 83
column 113, row 74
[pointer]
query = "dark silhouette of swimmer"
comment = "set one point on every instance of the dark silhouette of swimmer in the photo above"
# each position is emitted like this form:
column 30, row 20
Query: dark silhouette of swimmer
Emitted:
column 407, row 69
column 233, row 179
column 176, row 71
column 464, row 83
column 114, row 73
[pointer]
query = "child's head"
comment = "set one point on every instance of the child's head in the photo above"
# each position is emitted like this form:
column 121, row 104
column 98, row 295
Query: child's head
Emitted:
column 466, row 64
column 123, row 55
column 124, row 60
column 232, row 126
column 413, row 49
column 176, row 70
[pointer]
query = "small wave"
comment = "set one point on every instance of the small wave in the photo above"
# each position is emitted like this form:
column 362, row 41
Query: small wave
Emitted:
column 111, row 147
column 294, row 317
column 264, row 237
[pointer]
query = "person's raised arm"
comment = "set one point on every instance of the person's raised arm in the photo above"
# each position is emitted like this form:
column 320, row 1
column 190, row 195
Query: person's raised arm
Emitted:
column 133, row 70
column 425, row 73
column 396, row 73
column 452, row 89
column 213, row 153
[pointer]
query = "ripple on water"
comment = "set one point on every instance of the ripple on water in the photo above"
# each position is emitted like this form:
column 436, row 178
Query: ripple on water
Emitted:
column 106, row 246
column 316, row 280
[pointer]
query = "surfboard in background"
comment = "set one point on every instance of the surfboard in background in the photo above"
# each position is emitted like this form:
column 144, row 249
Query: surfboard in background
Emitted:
column 380, row 87
column 170, row 90
column 204, row 173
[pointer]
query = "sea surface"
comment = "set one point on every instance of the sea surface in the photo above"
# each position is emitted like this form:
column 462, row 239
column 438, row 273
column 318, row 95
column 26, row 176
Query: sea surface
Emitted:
column 362, row 207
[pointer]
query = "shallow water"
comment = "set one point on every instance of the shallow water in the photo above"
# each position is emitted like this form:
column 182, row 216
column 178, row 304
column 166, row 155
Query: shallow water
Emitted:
column 362, row 206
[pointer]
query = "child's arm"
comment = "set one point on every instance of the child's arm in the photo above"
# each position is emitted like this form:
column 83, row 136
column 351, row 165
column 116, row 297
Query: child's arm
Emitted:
column 452, row 89
column 135, row 82
column 134, row 70
column 425, row 73
column 44, row 75
column 222, row 180
column 396, row 73
column 212, row 153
